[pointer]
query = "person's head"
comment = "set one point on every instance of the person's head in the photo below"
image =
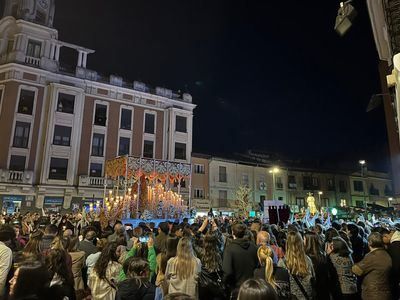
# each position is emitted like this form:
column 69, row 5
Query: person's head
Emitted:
column 265, row 257
column 330, row 234
column 185, row 259
column 7, row 233
column 163, row 227
column 30, row 279
column 318, row 229
column 73, row 244
column 353, row 230
column 90, row 235
column 375, row 240
column 60, row 243
column 136, row 267
column 296, row 260
column 255, row 226
column 178, row 296
column 56, row 262
column 212, row 259
column 33, row 245
column 119, row 229
column 340, row 247
column 387, row 235
column 51, row 230
column 109, row 254
column 68, row 233
column 312, row 245
column 256, row 289
column 239, row 230
column 263, row 238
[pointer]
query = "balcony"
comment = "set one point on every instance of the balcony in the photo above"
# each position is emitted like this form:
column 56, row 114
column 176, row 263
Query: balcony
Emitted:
column 32, row 61
column 18, row 177
column 85, row 180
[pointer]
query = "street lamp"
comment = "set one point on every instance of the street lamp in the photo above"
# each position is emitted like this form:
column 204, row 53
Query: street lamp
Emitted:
column 363, row 163
column 345, row 17
column 390, row 199
column 274, row 171
column 319, row 198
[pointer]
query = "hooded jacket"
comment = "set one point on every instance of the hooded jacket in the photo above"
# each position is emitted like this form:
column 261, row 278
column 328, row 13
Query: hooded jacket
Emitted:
column 240, row 261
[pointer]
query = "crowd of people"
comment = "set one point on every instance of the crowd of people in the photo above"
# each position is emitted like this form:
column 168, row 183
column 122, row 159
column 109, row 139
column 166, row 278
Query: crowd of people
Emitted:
column 56, row 257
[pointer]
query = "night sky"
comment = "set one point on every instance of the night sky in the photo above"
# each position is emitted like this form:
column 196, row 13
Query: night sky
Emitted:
column 267, row 75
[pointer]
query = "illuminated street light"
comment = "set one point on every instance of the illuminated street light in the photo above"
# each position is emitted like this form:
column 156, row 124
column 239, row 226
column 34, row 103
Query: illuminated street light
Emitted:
column 345, row 17
column 319, row 198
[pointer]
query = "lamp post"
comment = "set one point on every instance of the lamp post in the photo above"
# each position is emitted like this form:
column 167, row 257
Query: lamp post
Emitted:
column 274, row 171
column 319, row 198
column 363, row 163
column 390, row 199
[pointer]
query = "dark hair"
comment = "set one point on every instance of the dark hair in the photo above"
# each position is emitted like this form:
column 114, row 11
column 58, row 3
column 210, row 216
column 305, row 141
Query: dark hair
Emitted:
column 90, row 235
column 164, row 227
column 346, row 238
column 330, row 234
column 137, row 267
column 211, row 257
column 51, row 230
column 313, row 247
column 256, row 289
column 33, row 245
column 7, row 233
column 375, row 240
column 178, row 296
column 108, row 254
column 354, row 229
column 73, row 244
column 171, row 247
column 32, row 280
column 239, row 230
column 341, row 247
column 56, row 262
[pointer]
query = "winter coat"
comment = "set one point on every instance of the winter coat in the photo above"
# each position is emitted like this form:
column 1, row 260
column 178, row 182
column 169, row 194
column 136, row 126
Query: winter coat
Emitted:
column 239, row 262
column 394, row 252
column 127, row 290
column 78, row 262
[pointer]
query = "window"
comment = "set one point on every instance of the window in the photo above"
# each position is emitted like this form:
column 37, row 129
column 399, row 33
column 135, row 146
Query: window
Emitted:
column 359, row 203
column 100, row 117
column 124, row 145
column 98, row 144
column 199, row 193
column 388, row 191
column 34, row 48
column 25, row 105
column 342, row 186
column 222, row 174
column 300, row 201
column 62, row 135
column 315, row 182
column 58, row 168
column 292, row 182
column 66, row 103
column 96, row 170
column 262, row 198
column 307, row 183
column 126, row 119
column 21, row 134
column 331, row 184
column 17, row 163
column 148, row 147
column 373, row 190
column 278, row 183
column 180, row 124
column 180, row 151
column 223, row 198
column 182, row 183
column 149, row 123
column 358, row 185
column 245, row 179
column 199, row 169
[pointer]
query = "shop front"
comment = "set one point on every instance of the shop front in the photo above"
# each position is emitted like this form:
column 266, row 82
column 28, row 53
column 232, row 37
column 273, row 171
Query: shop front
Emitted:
column 12, row 203
column 53, row 204
column 78, row 203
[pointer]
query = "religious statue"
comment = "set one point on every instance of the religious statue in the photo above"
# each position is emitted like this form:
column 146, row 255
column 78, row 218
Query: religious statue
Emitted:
column 311, row 203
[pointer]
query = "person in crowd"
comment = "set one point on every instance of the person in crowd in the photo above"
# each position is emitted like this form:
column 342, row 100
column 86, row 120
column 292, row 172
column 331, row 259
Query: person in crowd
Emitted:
column 210, row 286
column 161, row 238
column 182, row 271
column 136, row 286
column 178, row 296
column 276, row 276
column 32, row 248
column 263, row 239
column 7, row 234
column 118, row 230
column 375, row 268
column 60, row 276
column 68, row 233
column 343, row 283
column 257, row 289
column 162, row 259
column 318, row 229
column 92, row 258
column 87, row 244
column 78, row 262
column 30, row 282
column 104, row 276
column 391, row 239
column 313, row 248
column 240, row 258
column 299, row 266
column 50, row 232
column 357, row 242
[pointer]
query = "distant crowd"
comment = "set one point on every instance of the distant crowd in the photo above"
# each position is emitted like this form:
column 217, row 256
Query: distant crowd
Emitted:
column 69, row 257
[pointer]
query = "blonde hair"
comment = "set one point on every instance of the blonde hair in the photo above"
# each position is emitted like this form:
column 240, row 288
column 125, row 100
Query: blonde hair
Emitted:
column 265, row 255
column 296, row 258
column 185, row 261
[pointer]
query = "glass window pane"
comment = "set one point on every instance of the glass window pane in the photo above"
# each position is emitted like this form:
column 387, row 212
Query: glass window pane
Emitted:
column 149, row 123
column 25, row 104
column 126, row 119
column 58, row 168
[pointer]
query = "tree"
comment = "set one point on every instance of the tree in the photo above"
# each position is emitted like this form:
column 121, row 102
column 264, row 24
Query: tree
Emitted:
column 243, row 194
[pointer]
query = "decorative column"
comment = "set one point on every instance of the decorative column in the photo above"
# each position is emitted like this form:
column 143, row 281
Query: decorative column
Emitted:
column 80, row 59
column 58, row 52
column 84, row 59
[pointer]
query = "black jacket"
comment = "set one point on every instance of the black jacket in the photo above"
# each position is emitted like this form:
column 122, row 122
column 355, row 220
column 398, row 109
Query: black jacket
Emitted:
column 129, row 290
column 240, row 260
column 394, row 252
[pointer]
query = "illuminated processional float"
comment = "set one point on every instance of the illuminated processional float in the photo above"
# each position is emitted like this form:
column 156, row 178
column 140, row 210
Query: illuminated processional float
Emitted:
column 143, row 189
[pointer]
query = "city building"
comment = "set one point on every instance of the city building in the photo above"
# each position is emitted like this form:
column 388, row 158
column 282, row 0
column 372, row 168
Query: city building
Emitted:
column 59, row 125
column 200, row 183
